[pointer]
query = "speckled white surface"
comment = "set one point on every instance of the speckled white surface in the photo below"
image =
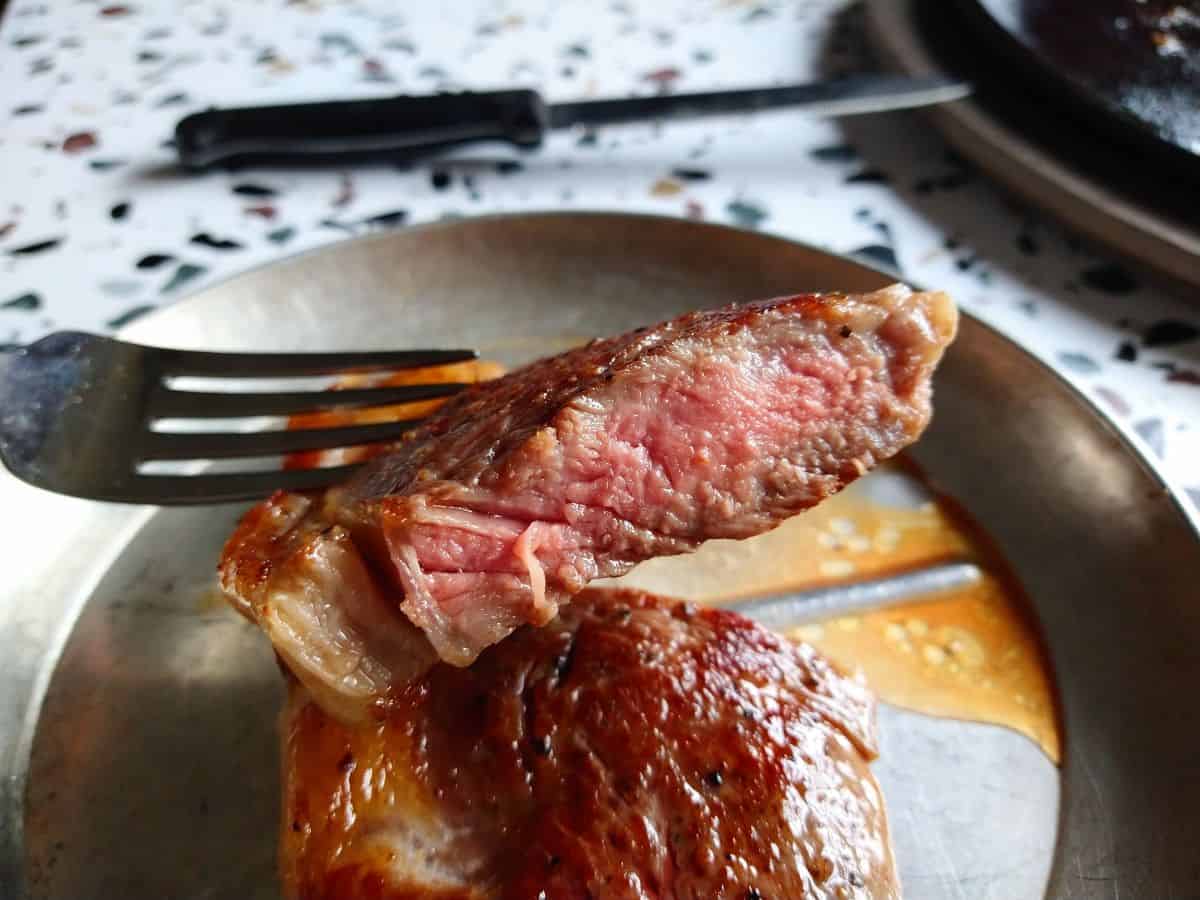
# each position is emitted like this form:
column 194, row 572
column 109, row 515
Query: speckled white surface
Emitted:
column 96, row 227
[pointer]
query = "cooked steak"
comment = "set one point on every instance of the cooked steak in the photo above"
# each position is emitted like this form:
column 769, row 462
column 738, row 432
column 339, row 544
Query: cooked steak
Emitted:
column 519, row 491
column 634, row 747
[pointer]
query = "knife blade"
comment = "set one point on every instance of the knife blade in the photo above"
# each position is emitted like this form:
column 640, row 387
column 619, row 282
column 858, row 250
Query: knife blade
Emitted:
column 407, row 127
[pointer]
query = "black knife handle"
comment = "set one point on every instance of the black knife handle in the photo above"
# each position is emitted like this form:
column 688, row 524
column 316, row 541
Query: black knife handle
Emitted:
column 404, row 127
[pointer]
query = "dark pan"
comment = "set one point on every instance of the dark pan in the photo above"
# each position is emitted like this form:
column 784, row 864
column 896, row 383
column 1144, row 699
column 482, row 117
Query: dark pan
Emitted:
column 1125, row 70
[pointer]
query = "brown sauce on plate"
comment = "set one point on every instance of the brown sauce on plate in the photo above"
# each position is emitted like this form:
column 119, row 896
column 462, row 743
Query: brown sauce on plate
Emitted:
column 971, row 653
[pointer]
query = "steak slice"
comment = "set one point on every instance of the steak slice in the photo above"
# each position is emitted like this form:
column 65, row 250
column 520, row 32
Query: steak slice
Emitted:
column 519, row 491
column 635, row 747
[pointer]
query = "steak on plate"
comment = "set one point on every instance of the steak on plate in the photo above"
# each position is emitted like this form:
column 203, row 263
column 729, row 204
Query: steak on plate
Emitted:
column 519, row 491
column 634, row 747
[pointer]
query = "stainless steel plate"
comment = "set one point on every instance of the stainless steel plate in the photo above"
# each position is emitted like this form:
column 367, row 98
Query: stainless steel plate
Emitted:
column 137, row 716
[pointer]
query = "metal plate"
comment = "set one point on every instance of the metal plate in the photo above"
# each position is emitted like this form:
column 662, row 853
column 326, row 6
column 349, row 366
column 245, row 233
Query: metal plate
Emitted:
column 137, row 716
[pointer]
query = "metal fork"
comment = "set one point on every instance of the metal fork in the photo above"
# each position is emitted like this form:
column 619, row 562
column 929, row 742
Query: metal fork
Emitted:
column 76, row 412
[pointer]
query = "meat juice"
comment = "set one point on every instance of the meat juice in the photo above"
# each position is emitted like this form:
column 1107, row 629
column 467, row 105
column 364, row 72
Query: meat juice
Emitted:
column 971, row 653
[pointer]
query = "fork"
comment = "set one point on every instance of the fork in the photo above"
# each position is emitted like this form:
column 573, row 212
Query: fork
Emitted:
column 76, row 416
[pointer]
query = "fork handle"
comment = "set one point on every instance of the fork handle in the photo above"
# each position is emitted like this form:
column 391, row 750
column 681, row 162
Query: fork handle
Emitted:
column 407, row 126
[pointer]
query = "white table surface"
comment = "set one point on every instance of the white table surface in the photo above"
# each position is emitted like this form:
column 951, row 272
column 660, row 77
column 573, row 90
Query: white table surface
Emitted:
column 96, row 228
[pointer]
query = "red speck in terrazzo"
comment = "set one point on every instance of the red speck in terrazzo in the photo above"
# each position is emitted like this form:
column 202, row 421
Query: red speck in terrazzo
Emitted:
column 80, row 141
column 664, row 78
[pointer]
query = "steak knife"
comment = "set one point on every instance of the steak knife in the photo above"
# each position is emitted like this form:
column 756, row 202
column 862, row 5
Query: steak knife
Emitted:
column 408, row 127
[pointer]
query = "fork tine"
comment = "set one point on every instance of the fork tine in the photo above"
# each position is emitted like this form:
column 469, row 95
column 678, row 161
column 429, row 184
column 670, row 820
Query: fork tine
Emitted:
column 251, row 365
column 166, row 403
column 228, row 445
column 184, row 490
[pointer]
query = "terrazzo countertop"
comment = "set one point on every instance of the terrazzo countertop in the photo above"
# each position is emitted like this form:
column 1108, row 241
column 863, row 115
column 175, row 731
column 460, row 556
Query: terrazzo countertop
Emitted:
column 97, row 228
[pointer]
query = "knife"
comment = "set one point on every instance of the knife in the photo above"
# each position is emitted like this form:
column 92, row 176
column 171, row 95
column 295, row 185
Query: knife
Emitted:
column 414, row 126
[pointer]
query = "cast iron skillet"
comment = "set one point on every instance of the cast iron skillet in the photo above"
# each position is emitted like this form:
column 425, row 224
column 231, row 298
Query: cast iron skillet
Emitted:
column 1126, row 70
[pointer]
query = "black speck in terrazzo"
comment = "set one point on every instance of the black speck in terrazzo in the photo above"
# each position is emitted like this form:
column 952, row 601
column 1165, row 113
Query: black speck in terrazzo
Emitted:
column 587, row 138
column 664, row 37
column 684, row 174
column 702, row 56
column 577, row 51
column 342, row 43
column 41, row 65
column 335, row 225
column 868, row 176
column 1151, row 431
column 246, row 189
column 266, row 56
column 175, row 99
column 862, row 214
column 120, row 211
column 399, row 45
column 1029, row 307
column 757, row 14
column 393, row 219
column 1126, row 352
column 37, row 247
column 879, row 255
column 472, row 190
column 134, row 312
column 154, row 260
column 440, row 179
column 28, row 302
column 1109, row 278
column 1167, row 332
column 281, row 235
column 28, row 109
column 746, row 214
column 567, row 71
column 834, row 153
column 1079, row 362
column 965, row 264
column 204, row 239
column 430, row 71
column 149, row 56
column 885, row 231
column 951, row 243
column 105, row 165
column 28, row 40
column 124, row 98
column 157, row 34
column 182, row 275
column 120, row 287
column 1027, row 244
